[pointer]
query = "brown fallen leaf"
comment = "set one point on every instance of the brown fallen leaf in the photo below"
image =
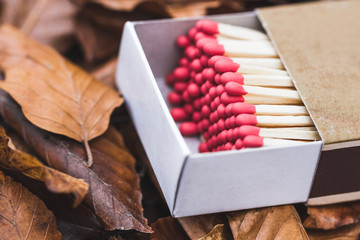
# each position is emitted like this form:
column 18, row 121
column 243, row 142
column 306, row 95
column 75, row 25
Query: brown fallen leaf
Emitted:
column 349, row 232
column 168, row 228
column 199, row 226
column 95, row 20
column 332, row 216
column 68, row 101
column 114, row 193
column 51, row 22
column 106, row 73
column 270, row 223
column 23, row 215
column 191, row 8
column 219, row 232
column 55, row 181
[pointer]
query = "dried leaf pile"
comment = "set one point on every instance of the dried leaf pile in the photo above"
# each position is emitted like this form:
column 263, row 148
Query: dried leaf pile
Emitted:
column 71, row 164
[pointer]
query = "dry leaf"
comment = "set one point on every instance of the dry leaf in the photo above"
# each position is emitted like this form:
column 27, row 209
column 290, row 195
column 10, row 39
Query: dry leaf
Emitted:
column 55, row 181
column 332, row 216
column 118, row 5
column 106, row 73
column 95, row 20
column 114, row 193
column 51, row 22
column 219, row 232
column 349, row 232
column 191, row 9
column 68, row 101
column 271, row 223
column 23, row 215
column 168, row 228
column 199, row 226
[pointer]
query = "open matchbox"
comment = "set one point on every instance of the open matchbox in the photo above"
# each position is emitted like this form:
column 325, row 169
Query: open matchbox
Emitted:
column 319, row 46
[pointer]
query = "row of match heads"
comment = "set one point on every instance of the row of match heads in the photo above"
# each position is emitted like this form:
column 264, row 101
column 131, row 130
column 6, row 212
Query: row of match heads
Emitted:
column 231, row 87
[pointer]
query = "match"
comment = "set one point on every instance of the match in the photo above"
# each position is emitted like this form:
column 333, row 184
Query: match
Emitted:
column 223, row 65
column 256, row 80
column 272, row 110
column 257, row 141
column 211, row 28
column 273, row 121
column 233, row 50
column 286, row 133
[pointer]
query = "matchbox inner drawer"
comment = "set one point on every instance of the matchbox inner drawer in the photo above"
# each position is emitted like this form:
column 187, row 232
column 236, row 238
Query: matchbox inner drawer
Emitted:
column 194, row 183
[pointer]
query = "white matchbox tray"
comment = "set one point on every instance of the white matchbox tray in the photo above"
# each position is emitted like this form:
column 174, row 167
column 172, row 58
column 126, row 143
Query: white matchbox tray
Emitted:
column 194, row 183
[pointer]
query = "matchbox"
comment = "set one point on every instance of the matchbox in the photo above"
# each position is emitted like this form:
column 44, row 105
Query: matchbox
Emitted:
column 196, row 183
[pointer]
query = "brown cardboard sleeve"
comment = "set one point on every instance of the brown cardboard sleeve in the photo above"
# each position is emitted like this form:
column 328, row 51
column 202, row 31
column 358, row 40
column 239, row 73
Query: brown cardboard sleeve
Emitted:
column 319, row 44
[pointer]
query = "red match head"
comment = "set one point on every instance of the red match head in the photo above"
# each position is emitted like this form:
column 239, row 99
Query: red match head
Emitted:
column 208, row 74
column 247, row 130
column 213, row 48
column 214, row 59
column 179, row 114
column 202, row 41
column 227, row 99
column 193, row 90
column 170, row 79
column 191, row 52
column 240, row 108
column 188, row 129
column 246, row 119
column 203, row 147
column 235, row 89
column 253, row 141
column 226, row 65
column 239, row 144
column 231, row 77
column 181, row 74
column 174, row 98
column 192, row 32
column 183, row 41
column 196, row 65
column 207, row 26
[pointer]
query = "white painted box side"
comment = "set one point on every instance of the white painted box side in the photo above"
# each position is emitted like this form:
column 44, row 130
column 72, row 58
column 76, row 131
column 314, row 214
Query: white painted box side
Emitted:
column 162, row 141
column 249, row 178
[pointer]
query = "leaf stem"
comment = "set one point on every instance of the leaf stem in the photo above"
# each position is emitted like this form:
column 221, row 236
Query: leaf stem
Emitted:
column 33, row 16
column 88, row 153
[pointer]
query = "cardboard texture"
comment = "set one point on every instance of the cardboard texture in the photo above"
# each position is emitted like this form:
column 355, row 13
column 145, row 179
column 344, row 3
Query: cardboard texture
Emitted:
column 319, row 45
column 194, row 183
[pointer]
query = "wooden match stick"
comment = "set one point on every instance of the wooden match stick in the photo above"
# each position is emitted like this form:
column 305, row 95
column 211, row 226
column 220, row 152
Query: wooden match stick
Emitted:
column 200, row 42
column 212, row 28
column 236, row 89
column 224, row 65
column 287, row 133
column 234, row 50
column 273, row 121
column 257, row 100
column 274, row 63
column 272, row 110
column 257, row 80
column 257, row 141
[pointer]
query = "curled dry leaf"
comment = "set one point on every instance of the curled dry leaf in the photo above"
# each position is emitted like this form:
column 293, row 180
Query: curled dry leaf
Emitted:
column 55, row 181
column 332, row 216
column 219, row 232
column 349, row 232
column 23, row 215
column 199, row 226
column 114, row 190
column 51, row 22
column 106, row 73
column 54, row 94
column 168, row 228
column 269, row 223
